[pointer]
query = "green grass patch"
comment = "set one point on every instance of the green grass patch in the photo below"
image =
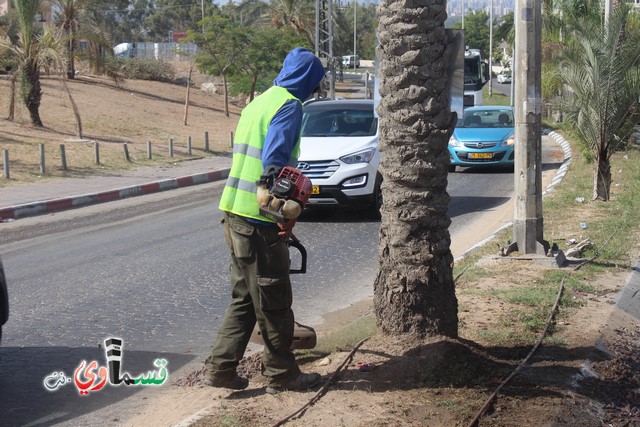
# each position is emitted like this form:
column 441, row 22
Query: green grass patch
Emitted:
column 343, row 339
column 230, row 421
column 497, row 98
column 608, row 224
column 472, row 273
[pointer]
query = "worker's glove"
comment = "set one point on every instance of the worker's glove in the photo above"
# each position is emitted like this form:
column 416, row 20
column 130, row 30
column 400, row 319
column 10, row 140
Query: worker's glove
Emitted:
column 291, row 209
column 269, row 175
column 263, row 195
column 264, row 184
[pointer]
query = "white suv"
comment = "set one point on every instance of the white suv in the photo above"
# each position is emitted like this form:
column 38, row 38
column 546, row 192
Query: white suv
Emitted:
column 339, row 153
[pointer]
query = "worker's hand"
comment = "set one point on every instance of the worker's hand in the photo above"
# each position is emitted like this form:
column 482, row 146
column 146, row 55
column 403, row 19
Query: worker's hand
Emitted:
column 269, row 175
column 291, row 209
column 262, row 194
column 285, row 229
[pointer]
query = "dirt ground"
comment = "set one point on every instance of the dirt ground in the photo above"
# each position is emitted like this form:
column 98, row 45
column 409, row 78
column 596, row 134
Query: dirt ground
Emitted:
column 132, row 112
column 586, row 374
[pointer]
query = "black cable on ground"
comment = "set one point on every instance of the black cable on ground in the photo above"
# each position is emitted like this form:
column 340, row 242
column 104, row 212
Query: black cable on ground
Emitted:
column 476, row 418
column 323, row 389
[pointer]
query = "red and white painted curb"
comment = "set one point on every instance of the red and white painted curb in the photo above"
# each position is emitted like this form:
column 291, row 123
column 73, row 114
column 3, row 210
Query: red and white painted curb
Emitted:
column 55, row 205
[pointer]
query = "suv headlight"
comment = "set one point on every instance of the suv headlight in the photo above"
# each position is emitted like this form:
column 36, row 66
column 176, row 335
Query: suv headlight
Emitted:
column 363, row 156
column 454, row 142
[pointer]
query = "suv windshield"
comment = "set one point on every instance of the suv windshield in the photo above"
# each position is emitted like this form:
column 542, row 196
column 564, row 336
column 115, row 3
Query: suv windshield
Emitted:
column 339, row 120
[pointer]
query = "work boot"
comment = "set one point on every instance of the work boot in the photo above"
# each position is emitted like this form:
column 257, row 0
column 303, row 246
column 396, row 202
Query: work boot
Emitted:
column 233, row 383
column 300, row 383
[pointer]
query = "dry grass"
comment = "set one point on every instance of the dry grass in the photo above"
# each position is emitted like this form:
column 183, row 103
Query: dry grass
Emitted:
column 133, row 113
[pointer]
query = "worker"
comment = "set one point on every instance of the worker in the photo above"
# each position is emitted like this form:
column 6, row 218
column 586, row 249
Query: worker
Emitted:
column 267, row 139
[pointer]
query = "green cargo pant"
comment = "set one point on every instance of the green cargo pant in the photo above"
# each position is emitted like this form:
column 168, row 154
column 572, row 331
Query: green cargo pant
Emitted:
column 261, row 292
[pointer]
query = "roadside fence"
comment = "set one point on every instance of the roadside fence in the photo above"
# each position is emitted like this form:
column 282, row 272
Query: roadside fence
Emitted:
column 82, row 155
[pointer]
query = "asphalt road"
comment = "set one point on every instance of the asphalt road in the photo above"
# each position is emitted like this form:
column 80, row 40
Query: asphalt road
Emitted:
column 153, row 271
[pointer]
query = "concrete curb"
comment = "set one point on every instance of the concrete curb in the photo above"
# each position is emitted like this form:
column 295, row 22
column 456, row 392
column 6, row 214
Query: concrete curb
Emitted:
column 55, row 205
column 559, row 176
column 628, row 299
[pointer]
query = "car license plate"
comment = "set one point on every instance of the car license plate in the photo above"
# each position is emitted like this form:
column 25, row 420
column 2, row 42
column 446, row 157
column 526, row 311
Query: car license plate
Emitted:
column 480, row 155
column 315, row 189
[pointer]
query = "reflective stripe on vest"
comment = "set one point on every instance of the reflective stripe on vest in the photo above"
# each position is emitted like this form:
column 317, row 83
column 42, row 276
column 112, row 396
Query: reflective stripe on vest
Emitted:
column 239, row 194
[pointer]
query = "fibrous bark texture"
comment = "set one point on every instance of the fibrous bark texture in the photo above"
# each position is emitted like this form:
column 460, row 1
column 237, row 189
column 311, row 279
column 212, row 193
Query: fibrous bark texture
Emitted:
column 414, row 291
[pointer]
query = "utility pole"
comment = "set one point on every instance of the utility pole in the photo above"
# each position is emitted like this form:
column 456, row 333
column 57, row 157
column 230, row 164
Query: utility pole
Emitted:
column 491, row 49
column 528, row 222
column 355, row 13
column 324, row 40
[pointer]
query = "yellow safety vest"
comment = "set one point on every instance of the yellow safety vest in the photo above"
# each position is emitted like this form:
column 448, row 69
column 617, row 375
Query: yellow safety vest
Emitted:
column 239, row 194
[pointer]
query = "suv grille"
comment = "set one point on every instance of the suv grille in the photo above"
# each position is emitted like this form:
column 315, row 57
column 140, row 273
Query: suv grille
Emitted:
column 321, row 169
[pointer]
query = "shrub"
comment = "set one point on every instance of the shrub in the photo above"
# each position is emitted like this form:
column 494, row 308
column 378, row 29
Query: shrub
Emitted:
column 146, row 69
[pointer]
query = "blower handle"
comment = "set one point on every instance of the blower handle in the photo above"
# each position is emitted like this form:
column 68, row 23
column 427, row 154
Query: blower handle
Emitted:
column 293, row 241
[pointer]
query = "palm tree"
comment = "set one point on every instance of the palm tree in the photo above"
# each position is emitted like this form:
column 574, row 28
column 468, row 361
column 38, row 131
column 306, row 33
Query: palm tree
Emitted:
column 67, row 16
column 75, row 19
column 414, row 290
column 601, row 66
column 30, row 51
column 296, row 14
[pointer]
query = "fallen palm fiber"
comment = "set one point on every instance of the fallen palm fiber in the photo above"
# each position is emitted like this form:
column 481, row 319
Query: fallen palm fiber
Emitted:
column 324, row 387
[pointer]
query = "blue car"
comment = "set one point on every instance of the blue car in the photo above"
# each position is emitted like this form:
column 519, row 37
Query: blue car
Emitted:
column 484, row 136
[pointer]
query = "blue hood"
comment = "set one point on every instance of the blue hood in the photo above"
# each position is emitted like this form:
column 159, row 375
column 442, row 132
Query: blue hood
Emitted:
column 482, row 134
column 301, row 73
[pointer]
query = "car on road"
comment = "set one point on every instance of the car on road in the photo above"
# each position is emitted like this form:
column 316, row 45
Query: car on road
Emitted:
column 483, row 136
column 4, row 299
column 339, row 153
column 503, row 78
column 349, row 61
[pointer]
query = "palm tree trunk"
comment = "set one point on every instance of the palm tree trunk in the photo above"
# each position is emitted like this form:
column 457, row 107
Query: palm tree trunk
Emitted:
column 71, row 66
column 602, row 178
column 12, row 98
column 32, row 92
column 414, row 292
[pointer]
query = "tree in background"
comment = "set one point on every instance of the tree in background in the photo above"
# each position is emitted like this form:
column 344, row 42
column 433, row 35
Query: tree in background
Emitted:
column 600, row 64
column 121, row 20
column 366, row 24
column 173, row 15
column 504, row 31
column 67, row 15
column 298, row 15
column 262, row 59
column 220, row 44
column 414, row 291
column 31, row 50
column 476, row 31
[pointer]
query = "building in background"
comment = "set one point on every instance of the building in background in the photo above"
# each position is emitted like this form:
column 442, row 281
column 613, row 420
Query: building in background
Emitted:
column 43, row 17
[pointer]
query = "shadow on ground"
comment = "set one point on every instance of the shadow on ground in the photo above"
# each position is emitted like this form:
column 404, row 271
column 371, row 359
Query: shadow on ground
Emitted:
column 25, row 401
